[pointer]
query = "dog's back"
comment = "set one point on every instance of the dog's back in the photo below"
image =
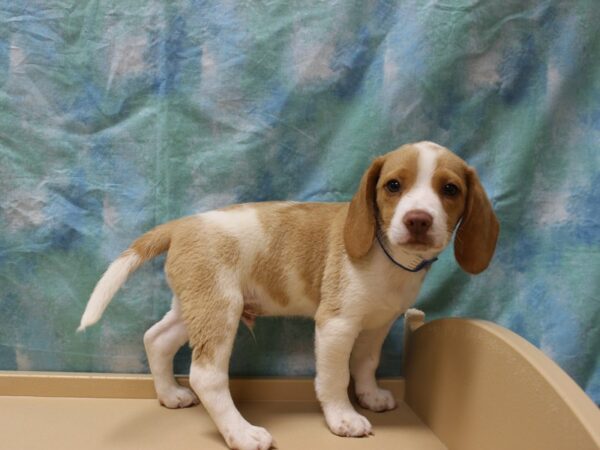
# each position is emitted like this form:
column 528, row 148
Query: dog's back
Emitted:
column 275, row 252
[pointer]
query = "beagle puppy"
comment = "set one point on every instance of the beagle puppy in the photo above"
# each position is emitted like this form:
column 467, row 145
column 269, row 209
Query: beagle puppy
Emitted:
column 355, row 267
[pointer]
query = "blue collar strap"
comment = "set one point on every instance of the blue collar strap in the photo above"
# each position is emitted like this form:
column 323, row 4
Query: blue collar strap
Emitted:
column 412, row 263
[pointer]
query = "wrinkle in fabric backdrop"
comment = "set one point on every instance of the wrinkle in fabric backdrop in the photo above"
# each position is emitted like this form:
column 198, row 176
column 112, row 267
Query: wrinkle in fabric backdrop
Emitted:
column 117, row 116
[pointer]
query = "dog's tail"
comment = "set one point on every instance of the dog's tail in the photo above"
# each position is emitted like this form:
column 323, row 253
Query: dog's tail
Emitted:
column 146, row 247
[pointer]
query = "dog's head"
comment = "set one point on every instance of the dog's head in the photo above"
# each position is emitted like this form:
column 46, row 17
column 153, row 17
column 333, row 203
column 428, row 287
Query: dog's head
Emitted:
column 417, row 195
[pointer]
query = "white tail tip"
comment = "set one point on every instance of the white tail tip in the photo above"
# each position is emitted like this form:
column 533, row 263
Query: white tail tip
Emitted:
column 107, row 287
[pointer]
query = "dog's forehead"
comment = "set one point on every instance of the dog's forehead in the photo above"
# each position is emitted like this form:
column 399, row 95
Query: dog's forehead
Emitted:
column 451, row 161
column 408, row 157
column 405, row 157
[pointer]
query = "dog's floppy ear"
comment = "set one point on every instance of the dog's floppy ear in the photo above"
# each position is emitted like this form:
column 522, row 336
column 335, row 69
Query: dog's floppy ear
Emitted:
column 359, row 229
column 477, row 233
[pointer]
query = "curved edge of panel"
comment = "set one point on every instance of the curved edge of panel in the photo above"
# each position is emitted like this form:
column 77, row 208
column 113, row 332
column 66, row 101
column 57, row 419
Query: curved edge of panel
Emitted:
column 479, row 385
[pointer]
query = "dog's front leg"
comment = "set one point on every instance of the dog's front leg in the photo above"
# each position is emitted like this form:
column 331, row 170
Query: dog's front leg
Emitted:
column 363, row 364
column 334, row 341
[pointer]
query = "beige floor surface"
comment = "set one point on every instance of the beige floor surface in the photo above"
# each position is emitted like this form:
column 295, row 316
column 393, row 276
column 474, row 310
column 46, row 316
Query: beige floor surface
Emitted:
column 32, row 423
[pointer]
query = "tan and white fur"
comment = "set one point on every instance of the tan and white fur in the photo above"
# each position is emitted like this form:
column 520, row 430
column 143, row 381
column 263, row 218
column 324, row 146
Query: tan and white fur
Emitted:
column 320, row 260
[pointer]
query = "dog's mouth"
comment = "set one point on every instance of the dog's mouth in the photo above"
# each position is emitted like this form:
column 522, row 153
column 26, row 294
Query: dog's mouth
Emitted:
column 422, row 244
column 419, row 239
column 419, row 244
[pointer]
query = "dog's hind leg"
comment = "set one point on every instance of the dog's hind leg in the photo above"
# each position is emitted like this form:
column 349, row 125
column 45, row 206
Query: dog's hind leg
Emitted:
column 212, row 326
column 162, row 341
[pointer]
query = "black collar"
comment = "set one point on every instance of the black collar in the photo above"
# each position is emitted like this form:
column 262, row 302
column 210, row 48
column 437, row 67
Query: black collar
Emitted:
column 412, row 263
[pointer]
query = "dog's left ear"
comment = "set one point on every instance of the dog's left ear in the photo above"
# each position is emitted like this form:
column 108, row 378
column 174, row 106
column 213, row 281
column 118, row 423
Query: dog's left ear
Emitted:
column 359, row 229
column 477, row 233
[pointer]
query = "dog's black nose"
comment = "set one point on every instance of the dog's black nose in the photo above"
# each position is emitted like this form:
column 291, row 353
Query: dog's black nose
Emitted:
column 418, row 221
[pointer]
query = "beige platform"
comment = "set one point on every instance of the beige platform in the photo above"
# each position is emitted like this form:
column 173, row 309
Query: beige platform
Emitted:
column 470, row 385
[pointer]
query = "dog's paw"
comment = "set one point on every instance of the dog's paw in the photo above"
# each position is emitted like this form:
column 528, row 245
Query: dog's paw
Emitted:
column 378, row 400
column 348, row 422
column 248, row 437
column 178, row 397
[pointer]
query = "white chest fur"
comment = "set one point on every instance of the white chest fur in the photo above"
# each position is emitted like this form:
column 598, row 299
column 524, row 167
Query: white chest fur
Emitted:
column 381, row 291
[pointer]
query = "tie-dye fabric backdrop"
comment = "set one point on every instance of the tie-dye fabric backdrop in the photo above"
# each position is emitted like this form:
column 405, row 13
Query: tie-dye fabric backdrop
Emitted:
column 117, row 116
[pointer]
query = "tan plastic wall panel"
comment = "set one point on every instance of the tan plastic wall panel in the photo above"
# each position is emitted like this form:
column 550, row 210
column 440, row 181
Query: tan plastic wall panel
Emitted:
column 479, row 386
column 95, row 385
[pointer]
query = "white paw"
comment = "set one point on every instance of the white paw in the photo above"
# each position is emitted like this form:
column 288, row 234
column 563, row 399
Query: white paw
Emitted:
column 348, row 422
column 178, row 397
column 248, row 437
column 378, row 400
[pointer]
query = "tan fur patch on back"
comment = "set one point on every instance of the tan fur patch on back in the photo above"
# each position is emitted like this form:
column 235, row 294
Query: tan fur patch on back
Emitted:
column 298, row 241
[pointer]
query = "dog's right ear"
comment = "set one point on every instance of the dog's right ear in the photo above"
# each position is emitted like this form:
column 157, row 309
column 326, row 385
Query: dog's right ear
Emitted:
column 477, row 233
column 360, row 226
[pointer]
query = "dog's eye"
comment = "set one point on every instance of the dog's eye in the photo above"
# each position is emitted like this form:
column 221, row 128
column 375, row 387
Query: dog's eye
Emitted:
column 450, row 190
column 393, row 186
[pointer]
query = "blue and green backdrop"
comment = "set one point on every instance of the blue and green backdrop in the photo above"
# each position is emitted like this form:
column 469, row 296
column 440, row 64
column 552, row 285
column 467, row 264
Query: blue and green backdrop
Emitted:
column 117, row 116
